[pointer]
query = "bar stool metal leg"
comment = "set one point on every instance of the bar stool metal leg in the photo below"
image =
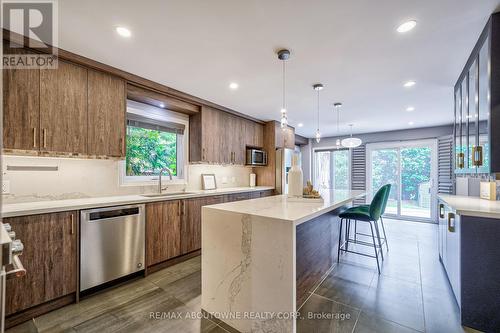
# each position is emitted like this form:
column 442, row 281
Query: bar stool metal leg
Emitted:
column 383, row 230
column 375, row 248
column 340, row 240
column 347, row 232
column 378, row 238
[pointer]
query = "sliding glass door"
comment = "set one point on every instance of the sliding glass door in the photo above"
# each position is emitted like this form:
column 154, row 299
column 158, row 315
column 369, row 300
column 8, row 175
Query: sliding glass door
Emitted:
column 410, row 167
column 331, row 169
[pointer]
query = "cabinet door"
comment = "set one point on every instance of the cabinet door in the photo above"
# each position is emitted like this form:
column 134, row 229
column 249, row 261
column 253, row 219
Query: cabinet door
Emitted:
column 21, row 109
column 452, row 259
column 63, row 109
column 289, row 138
column 226, row 133
column 163, row 231
column 254, row 134
column 49, row 256
column 191, row 222
column 484, row 107
column 238, row 196
column 107, row 110
column 237, row 134
column 472, row 116
column 211, row 135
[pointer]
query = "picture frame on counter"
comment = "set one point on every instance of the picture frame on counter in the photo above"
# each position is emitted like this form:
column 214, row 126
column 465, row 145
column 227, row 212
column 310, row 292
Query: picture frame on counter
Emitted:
column 208, row 182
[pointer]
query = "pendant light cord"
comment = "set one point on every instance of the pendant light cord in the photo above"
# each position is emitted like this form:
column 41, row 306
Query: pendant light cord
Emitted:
column 318, row 110
column 284, row 86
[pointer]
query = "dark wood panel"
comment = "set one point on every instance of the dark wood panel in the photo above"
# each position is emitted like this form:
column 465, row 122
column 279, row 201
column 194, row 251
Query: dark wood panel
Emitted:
column 163, row 231
column 191, row 222
column 300, row 140
column 238, row 196
column 63, row 109
column 21, row 109
column 266, row 175
column 49, row 257
column 107, row 114
column 156, row 99
column 316, row 246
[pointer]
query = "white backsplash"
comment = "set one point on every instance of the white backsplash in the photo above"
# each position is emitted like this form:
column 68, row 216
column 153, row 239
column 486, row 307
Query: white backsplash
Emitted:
column 78, row 178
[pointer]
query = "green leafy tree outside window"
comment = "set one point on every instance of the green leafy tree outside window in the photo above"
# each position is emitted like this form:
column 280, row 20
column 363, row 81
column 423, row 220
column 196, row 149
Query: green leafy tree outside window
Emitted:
column 148, row 151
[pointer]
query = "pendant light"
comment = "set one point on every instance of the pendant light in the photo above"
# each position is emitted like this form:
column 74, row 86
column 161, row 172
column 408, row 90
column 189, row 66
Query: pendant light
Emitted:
column 351, row 142
column 337, row 107
column 318, row 87
column 283, row 55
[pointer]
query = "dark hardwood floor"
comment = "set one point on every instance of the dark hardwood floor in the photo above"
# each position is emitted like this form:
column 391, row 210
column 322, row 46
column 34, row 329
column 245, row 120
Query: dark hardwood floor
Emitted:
column 411, row 295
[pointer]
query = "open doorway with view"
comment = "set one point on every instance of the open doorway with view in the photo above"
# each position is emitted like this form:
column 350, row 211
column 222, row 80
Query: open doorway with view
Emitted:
column 411, row 168
column 331, row 169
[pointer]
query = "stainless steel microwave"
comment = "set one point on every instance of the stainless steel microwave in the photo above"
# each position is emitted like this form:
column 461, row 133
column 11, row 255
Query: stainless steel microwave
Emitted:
column 256, row 157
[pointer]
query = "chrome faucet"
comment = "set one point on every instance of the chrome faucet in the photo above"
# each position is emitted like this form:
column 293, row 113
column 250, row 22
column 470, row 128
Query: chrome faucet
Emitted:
column 160, row 188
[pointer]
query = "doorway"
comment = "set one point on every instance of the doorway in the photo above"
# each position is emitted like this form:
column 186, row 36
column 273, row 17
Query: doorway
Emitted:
column 411, row 168
column 331, row 169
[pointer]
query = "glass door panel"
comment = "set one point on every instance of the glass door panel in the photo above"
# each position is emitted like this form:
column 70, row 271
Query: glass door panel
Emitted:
column 322, row 179
column 416, row 182
column 385, row 170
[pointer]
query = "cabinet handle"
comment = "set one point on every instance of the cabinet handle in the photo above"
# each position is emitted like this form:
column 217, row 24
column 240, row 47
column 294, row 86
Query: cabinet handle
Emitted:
column 121, row 146
column 34, row 137
column 44, row 138
column 477, row 156
column 203, row 154
column 179, row 208
column 72, row 224
column 451, row 222
column 441, row 211
column 460, row 160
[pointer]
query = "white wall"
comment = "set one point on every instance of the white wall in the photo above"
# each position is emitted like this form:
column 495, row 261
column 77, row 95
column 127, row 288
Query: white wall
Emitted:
column 77, row 178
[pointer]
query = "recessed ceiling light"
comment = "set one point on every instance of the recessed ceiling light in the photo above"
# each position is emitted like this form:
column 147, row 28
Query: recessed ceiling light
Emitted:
column 407, row 26
column 124, row 32
column 410, row 109
column 300, row 125
column 409, row 84
column 411, row 123
column 233, row 86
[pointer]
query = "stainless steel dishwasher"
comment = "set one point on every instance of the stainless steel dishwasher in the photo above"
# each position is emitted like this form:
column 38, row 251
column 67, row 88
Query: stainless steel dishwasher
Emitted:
column 112, row 244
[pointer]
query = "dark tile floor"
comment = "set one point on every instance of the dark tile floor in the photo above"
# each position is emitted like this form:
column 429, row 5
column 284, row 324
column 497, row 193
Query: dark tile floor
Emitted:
column 411, row 295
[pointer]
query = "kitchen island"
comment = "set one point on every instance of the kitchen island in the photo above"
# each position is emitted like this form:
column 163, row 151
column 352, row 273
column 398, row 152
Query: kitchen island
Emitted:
column 261, row 258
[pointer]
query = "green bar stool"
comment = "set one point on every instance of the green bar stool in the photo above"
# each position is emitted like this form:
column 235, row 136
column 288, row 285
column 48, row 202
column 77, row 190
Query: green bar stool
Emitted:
column 366, row 213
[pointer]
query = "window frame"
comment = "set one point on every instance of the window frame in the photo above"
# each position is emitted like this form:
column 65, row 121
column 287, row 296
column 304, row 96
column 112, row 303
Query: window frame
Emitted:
column 182, row 146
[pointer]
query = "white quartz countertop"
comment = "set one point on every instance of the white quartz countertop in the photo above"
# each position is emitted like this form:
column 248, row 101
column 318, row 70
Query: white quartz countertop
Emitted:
column 51, row 206
column 280, row 207
column 472, row 206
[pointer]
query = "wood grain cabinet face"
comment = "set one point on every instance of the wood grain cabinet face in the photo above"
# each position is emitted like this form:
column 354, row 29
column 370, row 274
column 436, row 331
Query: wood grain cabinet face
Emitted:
column 163, row 231
column 106, row 112
column 49, row 256
column 63, row 109
column 21, row 109
column 191, row 222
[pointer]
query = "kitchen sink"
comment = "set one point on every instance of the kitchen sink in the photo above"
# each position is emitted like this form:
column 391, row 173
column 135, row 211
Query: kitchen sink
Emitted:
column 157, row 195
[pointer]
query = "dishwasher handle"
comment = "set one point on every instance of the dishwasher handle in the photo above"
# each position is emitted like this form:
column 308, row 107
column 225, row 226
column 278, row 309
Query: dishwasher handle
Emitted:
column 104, row 214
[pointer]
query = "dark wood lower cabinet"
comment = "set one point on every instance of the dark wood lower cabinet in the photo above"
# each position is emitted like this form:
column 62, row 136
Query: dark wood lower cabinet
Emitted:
column 191, row 223
column 50, row 259
column 163, row 231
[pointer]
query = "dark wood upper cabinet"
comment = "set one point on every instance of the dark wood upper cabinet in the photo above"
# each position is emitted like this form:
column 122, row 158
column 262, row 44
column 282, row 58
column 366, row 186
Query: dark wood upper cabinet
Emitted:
column 49, row 256
column 254, row 134
column 163, row 231
column 63, row 109
column 106, row 112
column 21, row 109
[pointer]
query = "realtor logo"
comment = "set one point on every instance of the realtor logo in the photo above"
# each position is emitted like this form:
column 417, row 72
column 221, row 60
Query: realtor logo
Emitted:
column 32, row 29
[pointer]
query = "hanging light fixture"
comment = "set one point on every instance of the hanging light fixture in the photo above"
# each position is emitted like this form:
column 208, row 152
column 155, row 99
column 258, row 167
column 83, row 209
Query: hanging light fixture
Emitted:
column 318, row 87
column 336, row 107
column 351, row 142
column 283, row 55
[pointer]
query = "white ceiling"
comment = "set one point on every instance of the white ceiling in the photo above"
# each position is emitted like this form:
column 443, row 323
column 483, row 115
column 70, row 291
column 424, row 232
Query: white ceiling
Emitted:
column 200, row 46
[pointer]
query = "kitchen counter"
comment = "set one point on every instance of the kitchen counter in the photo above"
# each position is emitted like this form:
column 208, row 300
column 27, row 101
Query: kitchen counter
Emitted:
column 265, row 256
column 472, row 206
column 297, row 212
column 51, row 206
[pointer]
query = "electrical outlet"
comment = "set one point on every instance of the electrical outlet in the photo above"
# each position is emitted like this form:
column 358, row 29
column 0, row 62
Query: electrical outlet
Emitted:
column 5, row 187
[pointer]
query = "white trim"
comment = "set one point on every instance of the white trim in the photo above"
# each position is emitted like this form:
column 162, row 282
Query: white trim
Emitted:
column 183, row 146
column 433, row 144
